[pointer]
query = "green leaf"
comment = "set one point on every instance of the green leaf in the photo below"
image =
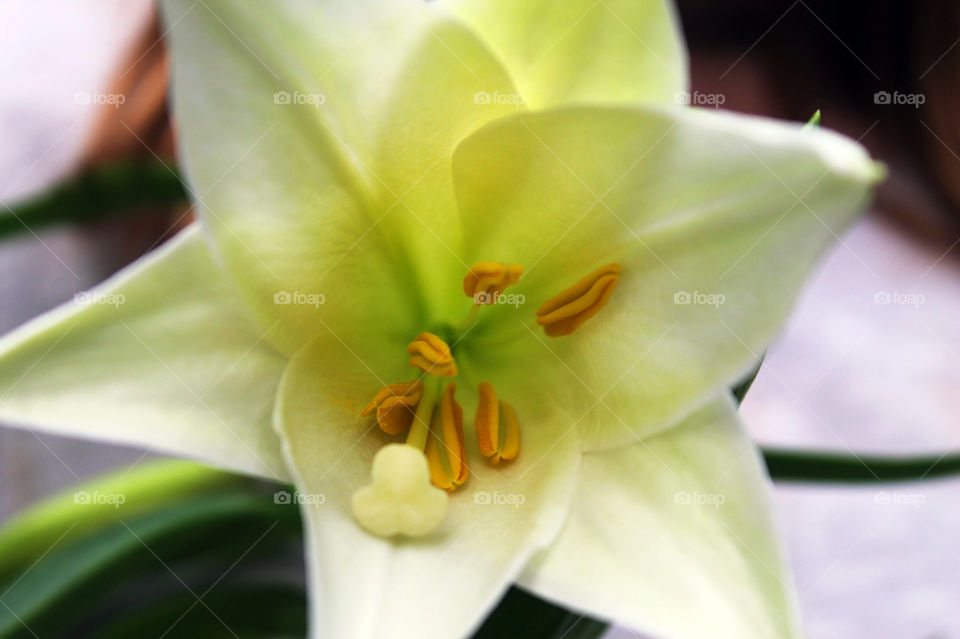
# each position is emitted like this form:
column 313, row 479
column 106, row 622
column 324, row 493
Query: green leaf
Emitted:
column 61, row 519
column 250, row 610
column 64, row 585
column 524, row 616
column 95, row 194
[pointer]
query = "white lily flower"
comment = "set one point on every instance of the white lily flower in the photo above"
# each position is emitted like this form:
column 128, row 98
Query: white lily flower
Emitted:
column 360, row 165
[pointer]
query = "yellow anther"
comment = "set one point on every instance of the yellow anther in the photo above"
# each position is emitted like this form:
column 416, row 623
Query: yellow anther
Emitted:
column 485, row 281
column 498, row 433
column 446, row 455
column 395, row 405
column 563, row 314
column 431, row 354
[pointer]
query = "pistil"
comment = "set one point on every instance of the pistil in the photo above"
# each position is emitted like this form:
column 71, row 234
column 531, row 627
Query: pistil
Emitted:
column 401, row 499
column 420, row 425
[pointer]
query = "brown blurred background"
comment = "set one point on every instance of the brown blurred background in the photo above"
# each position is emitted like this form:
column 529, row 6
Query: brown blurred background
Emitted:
column 788, row 59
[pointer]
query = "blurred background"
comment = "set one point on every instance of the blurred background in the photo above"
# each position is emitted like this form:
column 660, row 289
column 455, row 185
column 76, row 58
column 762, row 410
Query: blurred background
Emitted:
column 869, row 363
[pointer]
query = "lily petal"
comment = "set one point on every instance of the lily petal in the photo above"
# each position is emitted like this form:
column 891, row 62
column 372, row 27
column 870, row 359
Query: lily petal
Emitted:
column 317, row 139
column 715, row 220
column 674, row 536
column 161, row 356
column 433, row 587
column 584, row 50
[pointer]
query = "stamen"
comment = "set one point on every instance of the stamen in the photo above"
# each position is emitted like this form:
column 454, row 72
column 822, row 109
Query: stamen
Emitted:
column 485, row 281
column 431, row 354
column 498, row 432
column 446, row 454
column 564, row 313
column 395, row 405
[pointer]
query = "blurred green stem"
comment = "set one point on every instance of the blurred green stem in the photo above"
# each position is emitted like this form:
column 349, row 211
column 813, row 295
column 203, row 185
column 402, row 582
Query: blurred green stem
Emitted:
column 98, row 193
column 812, row 466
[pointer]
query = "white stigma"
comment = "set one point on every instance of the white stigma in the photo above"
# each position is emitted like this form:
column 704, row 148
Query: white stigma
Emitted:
column 400, row 500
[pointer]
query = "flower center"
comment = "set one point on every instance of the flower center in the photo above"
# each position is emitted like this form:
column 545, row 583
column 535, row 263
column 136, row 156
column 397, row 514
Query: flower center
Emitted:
column 410, row 481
